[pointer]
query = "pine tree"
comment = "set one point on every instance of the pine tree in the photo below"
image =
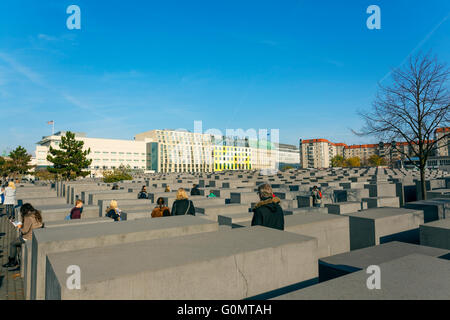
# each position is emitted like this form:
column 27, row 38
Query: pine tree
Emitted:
column 19, row 162
column 69, row 161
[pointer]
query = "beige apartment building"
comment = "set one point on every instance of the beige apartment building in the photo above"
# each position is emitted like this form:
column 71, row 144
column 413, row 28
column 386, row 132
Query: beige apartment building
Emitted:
column 317, row 153
column 443, row 149
column 363, row 151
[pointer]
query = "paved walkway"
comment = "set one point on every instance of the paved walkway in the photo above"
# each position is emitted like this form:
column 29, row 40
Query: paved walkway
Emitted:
column 11, row 284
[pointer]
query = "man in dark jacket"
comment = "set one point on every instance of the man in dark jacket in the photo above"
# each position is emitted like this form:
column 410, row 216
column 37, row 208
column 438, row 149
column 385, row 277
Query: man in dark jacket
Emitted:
column 195, row 191
column 268, row 212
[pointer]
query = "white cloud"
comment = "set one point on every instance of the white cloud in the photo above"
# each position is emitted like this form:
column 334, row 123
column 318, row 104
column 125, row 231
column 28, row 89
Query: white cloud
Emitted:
column 21, row 69
column 335, row 63
column 269, row 42
column 46, row 37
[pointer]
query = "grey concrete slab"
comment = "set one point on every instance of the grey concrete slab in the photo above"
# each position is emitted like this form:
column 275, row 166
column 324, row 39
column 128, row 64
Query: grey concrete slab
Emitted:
column 244, row 197
column 433, row 210
column 101, row 234
column 375, row 226
column 429, row 279
column 232, row 219
column 350, row 195
column 304, row 201
column 75, row 191
column 42, row 201
column 110, row 195
column 307, row 210
column 286, row 204
column 205, row 202
column 125, row 203
column 226, row 193
column 235, row 264
column 26, row 259
column 238, row 218
column 332, row 231
column 66, row 223
column 135, row 214
column 438, row 193
column 381, row 189
column 345, row 263
column 436, row 234
column 212, row 212
column 429, row 185
column 58, row 214
column 379, row 202
column 26, row 267
column 345, row 207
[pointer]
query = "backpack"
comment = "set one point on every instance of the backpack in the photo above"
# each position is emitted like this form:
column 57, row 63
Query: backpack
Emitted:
column 319, row 194
column 142, row 195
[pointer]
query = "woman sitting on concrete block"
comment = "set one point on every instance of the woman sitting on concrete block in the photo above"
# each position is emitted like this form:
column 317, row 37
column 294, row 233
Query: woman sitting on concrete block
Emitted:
column 31, row 219
column 161, row 210
column 113, row 211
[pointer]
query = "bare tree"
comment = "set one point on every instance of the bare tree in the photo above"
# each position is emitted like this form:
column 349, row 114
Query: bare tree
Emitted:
column 411, row 108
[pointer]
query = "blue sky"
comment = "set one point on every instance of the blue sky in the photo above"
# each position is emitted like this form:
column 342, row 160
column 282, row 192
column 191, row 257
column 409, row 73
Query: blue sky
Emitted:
column 303, row 67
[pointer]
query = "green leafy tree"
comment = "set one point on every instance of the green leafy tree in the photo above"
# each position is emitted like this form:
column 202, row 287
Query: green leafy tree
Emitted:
column 3, row 168
column 117, row 174
column 287, row 167
column 69, row 161
column 19, row 163
column 44, row 174
column 337, row 161
column 352, row 162
column 376, row 160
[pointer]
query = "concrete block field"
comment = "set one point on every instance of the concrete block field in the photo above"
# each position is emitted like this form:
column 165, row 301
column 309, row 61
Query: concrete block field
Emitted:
column 367, row 217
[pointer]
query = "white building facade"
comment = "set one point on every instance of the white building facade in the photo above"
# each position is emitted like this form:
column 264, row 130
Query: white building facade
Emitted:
column 175, row 151
column 106, row 154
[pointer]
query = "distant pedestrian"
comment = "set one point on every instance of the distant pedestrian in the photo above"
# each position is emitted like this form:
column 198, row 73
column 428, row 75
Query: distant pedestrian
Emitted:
column 76, row 211
column 115, row 187
column 182, row 205
column 195, row 191
column 113, row 211
column 31, row 219
column 10, row 200
column 143, row 193
column 316, row 197
column 211, row 195
column 160, row 210
column 167, row 189
column 2, row 195
column 268, row 212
